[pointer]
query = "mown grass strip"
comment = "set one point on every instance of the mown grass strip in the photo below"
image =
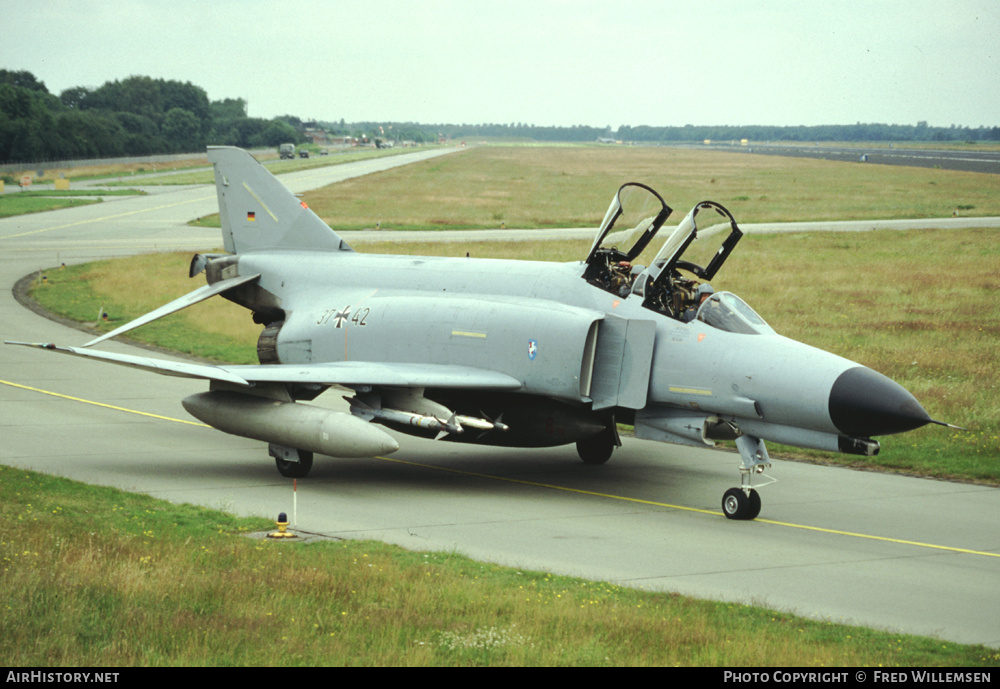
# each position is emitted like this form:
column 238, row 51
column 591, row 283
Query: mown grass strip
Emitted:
column 97, row 577
column 15, row 204
column 56, row 193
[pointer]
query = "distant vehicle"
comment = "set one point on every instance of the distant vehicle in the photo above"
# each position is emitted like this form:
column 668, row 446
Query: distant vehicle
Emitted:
column 286, row 151
column 303, row 154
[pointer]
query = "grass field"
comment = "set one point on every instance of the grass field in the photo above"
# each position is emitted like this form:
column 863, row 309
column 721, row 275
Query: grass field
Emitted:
column 51, row 193
column 16, row 204
column 95, row 577
column 39, row 200
column 110, row 170
column 533, row 187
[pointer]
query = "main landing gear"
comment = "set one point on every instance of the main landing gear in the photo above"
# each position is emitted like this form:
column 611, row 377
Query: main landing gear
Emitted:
column 597, row 449
column 744, row 502
column 291, row 463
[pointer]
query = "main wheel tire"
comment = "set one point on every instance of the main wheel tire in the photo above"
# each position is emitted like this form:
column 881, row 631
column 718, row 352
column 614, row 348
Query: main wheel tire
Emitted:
column 596, row 450
column 299, row 469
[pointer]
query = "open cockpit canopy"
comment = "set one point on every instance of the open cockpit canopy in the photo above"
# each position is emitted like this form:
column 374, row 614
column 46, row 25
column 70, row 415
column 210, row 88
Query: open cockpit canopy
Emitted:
column 696, row 246
column 663, row 287
column 689, row 254
column 635, row 215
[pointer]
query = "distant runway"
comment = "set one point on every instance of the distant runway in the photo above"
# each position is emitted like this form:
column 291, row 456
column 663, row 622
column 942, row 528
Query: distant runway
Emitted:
column 967, row 160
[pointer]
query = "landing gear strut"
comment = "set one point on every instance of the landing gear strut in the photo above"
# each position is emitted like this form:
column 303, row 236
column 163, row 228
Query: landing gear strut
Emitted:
column 744, row 502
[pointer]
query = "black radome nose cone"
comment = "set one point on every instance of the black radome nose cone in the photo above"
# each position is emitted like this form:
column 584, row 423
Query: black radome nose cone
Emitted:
column 864, row 403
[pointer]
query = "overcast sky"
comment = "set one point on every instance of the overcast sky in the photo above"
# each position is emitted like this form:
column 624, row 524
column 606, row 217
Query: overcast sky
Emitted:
column 543, row 62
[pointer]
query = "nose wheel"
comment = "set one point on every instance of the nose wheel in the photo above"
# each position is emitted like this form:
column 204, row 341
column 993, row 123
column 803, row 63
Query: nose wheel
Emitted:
column 744, row 502
column 738, row 503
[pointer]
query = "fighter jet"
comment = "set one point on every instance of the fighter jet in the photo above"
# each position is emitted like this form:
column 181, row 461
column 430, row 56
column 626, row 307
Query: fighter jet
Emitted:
column 510, row 353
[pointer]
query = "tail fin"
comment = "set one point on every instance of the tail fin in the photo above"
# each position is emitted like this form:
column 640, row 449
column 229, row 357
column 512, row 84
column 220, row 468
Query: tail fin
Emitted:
column 259, row 213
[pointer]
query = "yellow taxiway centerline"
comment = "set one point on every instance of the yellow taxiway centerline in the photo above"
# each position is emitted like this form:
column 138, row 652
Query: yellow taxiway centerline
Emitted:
column 101, row 404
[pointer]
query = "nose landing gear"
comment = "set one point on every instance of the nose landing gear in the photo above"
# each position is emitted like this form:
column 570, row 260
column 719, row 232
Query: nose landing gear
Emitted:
column 744, row 502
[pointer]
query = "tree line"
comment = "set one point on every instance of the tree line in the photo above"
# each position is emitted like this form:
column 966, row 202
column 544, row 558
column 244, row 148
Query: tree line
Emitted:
column 833, row 132
column 134, row 116
column 698, row 134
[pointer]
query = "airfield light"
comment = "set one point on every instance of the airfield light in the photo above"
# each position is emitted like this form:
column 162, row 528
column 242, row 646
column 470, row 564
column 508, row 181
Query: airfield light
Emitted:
column 282, row 525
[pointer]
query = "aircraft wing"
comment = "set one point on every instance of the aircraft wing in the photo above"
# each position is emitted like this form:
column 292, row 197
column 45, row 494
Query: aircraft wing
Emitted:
column 400, row 374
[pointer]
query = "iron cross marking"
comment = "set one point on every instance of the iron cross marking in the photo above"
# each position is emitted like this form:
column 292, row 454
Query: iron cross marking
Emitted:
column 342, row 316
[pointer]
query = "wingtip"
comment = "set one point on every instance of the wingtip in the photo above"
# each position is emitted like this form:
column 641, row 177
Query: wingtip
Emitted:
column 36, row 345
